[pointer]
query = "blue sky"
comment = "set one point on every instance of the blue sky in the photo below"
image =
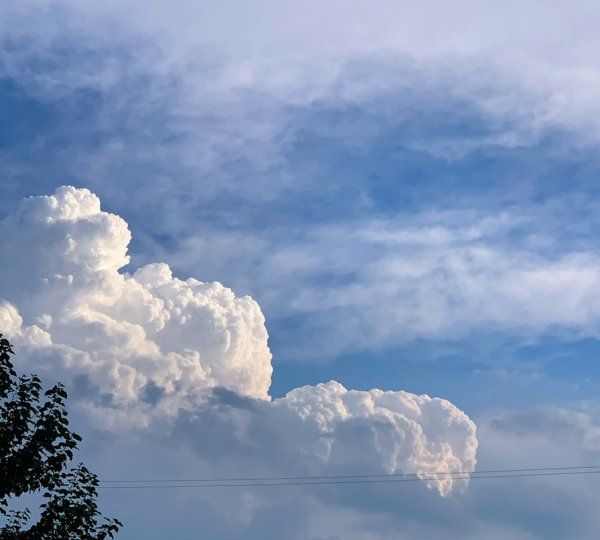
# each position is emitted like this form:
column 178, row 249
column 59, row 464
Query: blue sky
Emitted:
column 410, row 195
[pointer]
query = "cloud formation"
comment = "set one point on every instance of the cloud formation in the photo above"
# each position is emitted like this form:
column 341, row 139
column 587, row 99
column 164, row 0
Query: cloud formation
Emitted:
column 124, row 330
column 474, row 107
column 146, row 347
column 391, row 431
column 498, row 509
column 319, row 163
column 432, row 275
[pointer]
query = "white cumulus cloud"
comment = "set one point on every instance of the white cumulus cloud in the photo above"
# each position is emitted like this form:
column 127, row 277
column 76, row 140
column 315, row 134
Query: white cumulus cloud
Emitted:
column 146, row 347
column 123, row 330
column 395, row 431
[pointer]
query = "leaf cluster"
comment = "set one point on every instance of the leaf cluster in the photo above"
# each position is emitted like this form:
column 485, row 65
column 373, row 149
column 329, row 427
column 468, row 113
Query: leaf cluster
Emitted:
column 36, row 449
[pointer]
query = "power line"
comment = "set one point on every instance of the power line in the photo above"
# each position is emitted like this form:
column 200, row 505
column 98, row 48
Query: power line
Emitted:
column 340, row 476
column 506, row 473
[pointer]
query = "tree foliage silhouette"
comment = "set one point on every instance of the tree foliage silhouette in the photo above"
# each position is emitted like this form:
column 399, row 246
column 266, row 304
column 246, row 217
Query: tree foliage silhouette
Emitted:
column 36, row 449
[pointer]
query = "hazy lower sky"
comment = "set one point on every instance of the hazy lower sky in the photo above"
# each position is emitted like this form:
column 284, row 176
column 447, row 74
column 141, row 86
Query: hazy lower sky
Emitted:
column 311, row 238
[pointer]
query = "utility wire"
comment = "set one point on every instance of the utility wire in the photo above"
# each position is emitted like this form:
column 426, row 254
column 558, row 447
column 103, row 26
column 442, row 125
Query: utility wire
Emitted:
column 462, row 476
column 349, row 476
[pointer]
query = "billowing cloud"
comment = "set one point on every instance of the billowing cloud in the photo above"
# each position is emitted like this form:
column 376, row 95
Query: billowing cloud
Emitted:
column 124, row 330
column 391, row 431
column 146, row 347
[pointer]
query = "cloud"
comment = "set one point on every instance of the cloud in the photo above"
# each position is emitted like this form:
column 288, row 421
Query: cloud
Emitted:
column 428, row 276
column 214, row 120
column 124, row 330
column 394, row 430
column 543, row 49
column 328, row 429
column 558, row 433
column 377, row 137
column 498, row 509
column 145, row 349
column 297, row 159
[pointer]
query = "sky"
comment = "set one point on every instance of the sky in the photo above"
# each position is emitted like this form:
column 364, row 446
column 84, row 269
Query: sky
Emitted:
column 311, row 238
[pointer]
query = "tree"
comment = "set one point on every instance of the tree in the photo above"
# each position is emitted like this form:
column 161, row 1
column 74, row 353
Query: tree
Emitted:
column 36, row 449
